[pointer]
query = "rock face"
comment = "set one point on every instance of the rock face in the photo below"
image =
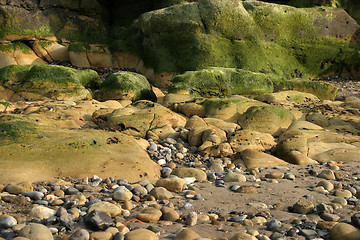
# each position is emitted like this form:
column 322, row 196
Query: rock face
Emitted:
column 46, row 82
column 125, row 85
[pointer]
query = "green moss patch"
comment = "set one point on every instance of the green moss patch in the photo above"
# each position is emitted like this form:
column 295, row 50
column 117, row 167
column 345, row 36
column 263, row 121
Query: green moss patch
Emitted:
column 222, row 82
column 126, row 85
column 320, row 89
column 12, row 47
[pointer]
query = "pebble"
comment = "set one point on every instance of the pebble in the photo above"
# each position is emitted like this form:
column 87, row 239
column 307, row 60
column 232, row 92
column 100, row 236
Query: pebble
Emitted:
column 122, row 196
column 169, row 214
column 187, row 234
column 191, row 219
column 327, row 174
column 234, row 177
column 161, row 193
column 171, row 184
column 326, row 185
column 149, row 215
column 343, row 231
column 303, row 206
column 98, row 220
column 8, row 222
column 106, row 207
column 246, row 189
column 42, row 212
column 138, row 234
column 34, row 195
column 275, row 175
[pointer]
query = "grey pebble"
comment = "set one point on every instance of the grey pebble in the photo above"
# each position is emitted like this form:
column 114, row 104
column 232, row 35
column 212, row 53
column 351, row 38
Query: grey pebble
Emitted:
column 34, row 195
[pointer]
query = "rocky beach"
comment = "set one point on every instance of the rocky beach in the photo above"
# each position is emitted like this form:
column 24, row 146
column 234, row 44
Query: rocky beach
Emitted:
column 172, row 119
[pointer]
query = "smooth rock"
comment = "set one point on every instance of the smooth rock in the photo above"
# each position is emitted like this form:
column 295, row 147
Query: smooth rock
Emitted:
column 80, row 234
column 243, row 236
column 327, row 174
column 169, row 214
column 122, row 196
column 172, row 184
column 42, row 212
column 34, row 195
column 36, row 231
column 343, row 231
column 275, row 175
column 190, row 172
column 246, row 189
column 326, row 184
column 161, row 193
column 101, row 235
column 187, row 234
column 8, row 222
column 149, row 215
column 18, row 188
column 141, row 234
column 234, row 177
column 109, row 208
column 98, row 220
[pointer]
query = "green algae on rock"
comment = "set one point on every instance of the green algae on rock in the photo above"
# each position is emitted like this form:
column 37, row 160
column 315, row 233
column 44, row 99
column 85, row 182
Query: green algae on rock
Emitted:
column 267, row 119
column 125, row 85
column 221, row 82
column 320, row 89
column 46, row 82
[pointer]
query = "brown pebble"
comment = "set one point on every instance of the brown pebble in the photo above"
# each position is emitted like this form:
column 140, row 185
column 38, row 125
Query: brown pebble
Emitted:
column 216, row 222
column 326, row 225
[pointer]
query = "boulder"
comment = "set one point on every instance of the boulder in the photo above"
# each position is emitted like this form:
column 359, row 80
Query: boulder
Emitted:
column 142, row 117
column 286, row 97
column 268, row 119
column 221, row 82
column 255, row 159
column 46, row 82
column 125, row 85
column 250, row 139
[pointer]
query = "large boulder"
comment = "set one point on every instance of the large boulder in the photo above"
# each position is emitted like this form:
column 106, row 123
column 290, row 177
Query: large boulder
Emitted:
column 268, row 119
column 33, row 152
column 141, row 118
column 125, row 85
column 260, row 37
column 43, row 82
column 222, row 82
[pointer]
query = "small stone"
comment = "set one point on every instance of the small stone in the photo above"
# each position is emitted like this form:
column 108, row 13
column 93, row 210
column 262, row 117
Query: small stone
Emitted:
column 8, row 222
column 34, row 195
column 326, row 184
column 18, row 188
column 309, row 234
column 80, row 234
column 246, row 189
column 139, row 191
column 141, row 234
column 234, row 177
column 216, row 167
column 304, row 206
column 324, row 208
column 191, row 219
column 343, row 194
column 36, row 231
column 149, row 215
column 343, row 231
column 71, row 191
column 169, row 214
column 109, row 208
column 127, row 205
column 355, row 220
column 187, row 234
column 259, row 220
column 153, row 147
column 172, row 184
column 340, row 200
column 98, row 220
column 161, row 193
column 275, row 175
column 330, row 217
column 327, row 174
column 325, row 225
column 42, row 212
column 190, row 172
column 122, row 196
column 290, row 176
column 243, row 236
column 119, row 236
column 101, row 235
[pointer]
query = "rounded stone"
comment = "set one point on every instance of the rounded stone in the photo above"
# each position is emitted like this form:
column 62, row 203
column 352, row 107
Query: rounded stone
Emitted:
column 36, row 231
column 187, row 234
column 343, row 231
column 326, row 184
column 8, row 222
column 80, row 234
column 172, row 184
column 246, row 189
column 169, row 214
column 275, row 175
column 42, row 212
column 243, row 236
column 122, row 196
column 191, row 219
column 109, row 208
column 161, row 193
column 149, row 215
column 141, row 234
column 190, row 172
column 343, row 194
column 101, row 235
column 327, row 174
column 234, row 177
column 18, row 188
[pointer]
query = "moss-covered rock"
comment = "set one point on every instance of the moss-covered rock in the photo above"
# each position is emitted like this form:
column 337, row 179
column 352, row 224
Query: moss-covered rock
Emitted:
column 322, row 90
column 221, row 82
column 46, row 82
column 280, row 40
column 36, row 153
column 126, row 85
column 267, row 119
